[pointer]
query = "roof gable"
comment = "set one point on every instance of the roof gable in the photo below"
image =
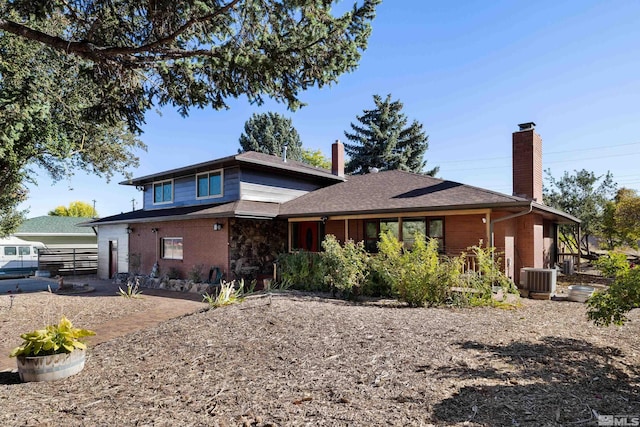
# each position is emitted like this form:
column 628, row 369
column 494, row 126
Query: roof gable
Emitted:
column 249, row 159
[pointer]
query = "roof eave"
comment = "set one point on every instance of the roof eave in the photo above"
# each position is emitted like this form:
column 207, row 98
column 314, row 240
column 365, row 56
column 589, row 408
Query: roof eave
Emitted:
column 503, row 205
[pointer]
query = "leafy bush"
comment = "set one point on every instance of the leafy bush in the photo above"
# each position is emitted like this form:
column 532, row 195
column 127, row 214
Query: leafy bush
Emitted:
column 486, row 276
column 612, row 265
column 418, row 277
column 376, row 284
column 345, row 267
column 173, row 273
column 195, row 273
column 135, row 262
column 300, row 270
column 610, row 306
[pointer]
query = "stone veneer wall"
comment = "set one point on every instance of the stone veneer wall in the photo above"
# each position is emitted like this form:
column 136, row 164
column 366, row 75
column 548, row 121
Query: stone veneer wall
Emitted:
column 254, row 246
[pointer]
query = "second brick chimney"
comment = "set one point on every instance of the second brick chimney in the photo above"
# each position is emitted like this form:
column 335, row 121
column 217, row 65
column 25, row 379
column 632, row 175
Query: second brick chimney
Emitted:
column 337, row 158
column 527, row 163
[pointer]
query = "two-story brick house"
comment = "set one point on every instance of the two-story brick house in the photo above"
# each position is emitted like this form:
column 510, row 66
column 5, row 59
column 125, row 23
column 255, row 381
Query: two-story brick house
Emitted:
column 240, row 212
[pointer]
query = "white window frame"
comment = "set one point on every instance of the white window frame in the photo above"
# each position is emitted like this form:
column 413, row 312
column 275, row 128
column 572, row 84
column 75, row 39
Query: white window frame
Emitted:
column 209, row 173
column 153, row 191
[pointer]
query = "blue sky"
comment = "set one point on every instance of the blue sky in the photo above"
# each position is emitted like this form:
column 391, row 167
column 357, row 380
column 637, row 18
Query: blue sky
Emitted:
column 469, row 71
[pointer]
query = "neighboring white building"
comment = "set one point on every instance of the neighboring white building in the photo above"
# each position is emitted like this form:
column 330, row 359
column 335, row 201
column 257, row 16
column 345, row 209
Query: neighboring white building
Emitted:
column 58, row 232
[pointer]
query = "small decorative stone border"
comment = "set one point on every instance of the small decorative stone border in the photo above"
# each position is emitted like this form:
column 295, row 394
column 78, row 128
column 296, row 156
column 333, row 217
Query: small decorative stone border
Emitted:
column 177, row 285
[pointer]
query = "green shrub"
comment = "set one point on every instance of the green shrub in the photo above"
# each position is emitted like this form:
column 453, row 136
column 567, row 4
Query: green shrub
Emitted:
column 300, row 270
column 195, row 273
column 173, row 273
column 612, row 265
column 345, row 267
column 610, row 306
column 418, row 277
column 486, row 277
column 376, row 284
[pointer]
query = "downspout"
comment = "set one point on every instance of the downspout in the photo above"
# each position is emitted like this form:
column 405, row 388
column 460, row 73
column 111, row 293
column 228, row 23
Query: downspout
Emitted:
column 504, row 218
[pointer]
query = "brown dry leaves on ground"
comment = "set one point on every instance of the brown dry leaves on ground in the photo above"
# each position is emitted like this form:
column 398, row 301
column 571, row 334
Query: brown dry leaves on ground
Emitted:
column 293, row 359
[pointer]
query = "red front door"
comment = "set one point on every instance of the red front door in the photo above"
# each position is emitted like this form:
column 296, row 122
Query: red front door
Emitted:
column 308, row 236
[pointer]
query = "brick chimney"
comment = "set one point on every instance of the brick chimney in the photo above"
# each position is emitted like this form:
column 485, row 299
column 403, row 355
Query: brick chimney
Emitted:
column 337, row 158
column 527, row 163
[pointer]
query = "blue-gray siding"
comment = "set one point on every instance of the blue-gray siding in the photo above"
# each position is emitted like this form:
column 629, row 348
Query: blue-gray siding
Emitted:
column 184, row 188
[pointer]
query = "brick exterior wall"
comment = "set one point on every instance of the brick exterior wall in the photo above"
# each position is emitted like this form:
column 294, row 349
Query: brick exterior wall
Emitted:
column 527, row 165
column 504, row 242
column 529, row 242
column 201, row 245
column 462, row 232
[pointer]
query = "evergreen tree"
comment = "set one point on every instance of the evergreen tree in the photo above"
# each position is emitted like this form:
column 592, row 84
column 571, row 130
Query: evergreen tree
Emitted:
column 383, row 140
column 268, row 133
column 77, row 78
column 193, row 53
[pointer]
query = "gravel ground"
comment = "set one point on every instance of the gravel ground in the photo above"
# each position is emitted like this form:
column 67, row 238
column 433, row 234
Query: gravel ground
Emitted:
column 294, row 359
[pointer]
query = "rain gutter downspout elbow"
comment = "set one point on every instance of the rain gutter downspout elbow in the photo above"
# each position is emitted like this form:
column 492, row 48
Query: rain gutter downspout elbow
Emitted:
column 505, row 218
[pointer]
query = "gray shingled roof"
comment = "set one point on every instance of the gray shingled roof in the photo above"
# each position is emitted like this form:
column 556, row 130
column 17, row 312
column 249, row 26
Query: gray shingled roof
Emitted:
column 250, row 159
column 398, row 191
column 53, row 226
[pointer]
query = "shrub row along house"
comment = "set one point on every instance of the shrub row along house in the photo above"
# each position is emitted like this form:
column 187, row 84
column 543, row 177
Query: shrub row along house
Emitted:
column 238, row 213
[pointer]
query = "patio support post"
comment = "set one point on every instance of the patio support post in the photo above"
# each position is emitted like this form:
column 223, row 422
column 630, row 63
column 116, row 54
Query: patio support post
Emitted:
column 346, row 229
column 579, row 250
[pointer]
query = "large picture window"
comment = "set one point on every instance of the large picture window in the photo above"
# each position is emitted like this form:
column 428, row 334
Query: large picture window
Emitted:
column 172, row 248
column 410, row 227
column 430, row 227
column 163, row 192
column 209, row 184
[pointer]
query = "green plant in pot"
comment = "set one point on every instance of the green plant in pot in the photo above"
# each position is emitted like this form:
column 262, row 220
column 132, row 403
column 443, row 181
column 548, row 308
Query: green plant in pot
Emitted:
column 55, row 352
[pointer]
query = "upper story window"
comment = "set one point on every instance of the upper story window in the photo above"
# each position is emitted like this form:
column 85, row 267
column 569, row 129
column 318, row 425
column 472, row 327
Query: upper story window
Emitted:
column 209, row 184
column 163, row 192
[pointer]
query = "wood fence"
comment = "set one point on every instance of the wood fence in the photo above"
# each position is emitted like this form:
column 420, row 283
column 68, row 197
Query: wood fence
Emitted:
column 68, row 261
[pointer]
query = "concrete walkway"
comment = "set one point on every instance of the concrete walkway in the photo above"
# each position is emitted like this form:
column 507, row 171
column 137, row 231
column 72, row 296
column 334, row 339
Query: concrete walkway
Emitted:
column 166, row 305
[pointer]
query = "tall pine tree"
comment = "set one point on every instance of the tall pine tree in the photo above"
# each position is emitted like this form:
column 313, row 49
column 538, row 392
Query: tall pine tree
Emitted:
column 384, row 141
column 268, row 133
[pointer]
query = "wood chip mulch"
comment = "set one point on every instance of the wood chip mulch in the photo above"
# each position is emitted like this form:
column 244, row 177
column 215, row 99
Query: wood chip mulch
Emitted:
column 293, row 359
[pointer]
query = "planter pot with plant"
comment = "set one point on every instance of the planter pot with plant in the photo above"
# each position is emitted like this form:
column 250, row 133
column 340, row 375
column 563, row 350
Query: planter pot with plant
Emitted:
column 52, row 353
